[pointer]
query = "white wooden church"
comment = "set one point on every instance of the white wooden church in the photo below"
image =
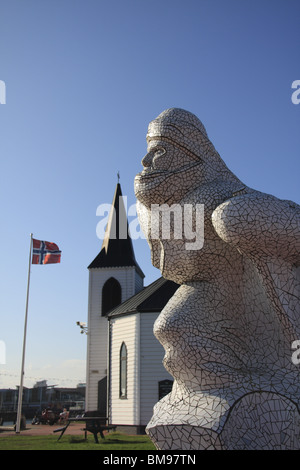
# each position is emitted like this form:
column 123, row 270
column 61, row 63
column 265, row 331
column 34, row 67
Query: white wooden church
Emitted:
column 125, row 374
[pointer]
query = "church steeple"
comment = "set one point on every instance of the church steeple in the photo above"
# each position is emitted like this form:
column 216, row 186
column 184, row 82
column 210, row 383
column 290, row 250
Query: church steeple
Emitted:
column 114, row 276
column 117, row 249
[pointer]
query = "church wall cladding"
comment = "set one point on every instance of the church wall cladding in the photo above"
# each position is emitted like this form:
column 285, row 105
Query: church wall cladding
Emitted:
column 152, row 369
column 124, row 410
column 97, row 362
column 98, row 325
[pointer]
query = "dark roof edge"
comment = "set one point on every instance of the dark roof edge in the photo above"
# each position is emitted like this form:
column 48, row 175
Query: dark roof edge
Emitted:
column 112, row 315
column 146, row 300
column 135, row 266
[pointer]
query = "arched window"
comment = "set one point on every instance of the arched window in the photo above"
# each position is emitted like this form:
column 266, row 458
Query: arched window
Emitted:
column 111, row 295
column 123, row 371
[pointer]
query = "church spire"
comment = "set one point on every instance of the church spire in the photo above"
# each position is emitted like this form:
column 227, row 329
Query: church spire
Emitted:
column 117, row 249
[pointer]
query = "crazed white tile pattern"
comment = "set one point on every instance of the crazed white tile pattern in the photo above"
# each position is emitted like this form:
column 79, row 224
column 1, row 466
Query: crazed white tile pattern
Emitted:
column 229, row 328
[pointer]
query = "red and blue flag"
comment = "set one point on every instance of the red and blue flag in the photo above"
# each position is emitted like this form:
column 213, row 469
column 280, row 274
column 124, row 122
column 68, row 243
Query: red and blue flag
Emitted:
column 45, row 252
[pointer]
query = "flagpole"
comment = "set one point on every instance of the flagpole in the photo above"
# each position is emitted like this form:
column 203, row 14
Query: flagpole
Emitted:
column 24, row 345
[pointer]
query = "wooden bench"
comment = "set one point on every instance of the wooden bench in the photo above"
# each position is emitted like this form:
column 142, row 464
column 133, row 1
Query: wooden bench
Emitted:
column 96, row 427
column 62, row 430
column 93, row 424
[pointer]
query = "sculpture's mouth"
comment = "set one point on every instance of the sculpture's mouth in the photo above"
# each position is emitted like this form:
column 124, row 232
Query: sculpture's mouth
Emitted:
column 149, row 173
column 150, row 178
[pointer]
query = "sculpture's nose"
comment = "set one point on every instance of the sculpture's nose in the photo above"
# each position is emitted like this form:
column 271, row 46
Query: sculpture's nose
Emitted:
column 147, row 160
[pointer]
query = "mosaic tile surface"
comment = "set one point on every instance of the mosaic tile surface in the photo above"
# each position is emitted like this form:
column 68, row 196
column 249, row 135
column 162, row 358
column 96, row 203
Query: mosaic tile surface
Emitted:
column 229, row 328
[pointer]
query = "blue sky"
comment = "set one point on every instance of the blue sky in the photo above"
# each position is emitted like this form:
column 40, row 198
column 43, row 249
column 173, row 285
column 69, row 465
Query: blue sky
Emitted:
column 83, row 79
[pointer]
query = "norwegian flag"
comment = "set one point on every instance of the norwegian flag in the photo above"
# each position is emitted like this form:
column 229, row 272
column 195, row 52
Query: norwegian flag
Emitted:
column 45, row 252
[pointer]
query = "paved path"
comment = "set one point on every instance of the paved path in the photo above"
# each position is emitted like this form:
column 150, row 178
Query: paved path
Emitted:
column 75, row 429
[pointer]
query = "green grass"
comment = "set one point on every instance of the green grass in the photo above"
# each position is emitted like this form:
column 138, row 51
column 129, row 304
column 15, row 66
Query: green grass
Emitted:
column 112, row 441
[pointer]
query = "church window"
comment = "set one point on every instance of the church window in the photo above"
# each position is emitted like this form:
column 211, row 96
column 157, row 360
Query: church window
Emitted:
column 111, row 295
column 123, row 371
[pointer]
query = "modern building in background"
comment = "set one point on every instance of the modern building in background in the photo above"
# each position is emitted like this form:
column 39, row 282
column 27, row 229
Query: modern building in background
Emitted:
column 39, row 397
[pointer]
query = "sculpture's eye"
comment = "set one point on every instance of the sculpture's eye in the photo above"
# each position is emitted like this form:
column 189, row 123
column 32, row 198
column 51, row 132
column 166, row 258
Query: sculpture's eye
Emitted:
column 157, row 153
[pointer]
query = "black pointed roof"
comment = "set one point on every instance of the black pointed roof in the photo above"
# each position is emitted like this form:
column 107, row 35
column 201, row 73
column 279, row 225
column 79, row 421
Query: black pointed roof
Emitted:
column 117, row 248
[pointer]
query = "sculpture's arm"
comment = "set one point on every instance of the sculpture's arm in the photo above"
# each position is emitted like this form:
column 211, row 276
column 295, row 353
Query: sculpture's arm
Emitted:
column 258, row 224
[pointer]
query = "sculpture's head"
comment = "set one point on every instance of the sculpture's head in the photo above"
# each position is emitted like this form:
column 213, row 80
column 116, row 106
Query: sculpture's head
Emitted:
column 180, row 157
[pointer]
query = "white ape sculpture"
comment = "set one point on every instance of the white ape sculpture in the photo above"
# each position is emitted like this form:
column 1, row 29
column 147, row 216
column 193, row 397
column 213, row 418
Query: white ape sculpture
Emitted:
column 228, row 331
